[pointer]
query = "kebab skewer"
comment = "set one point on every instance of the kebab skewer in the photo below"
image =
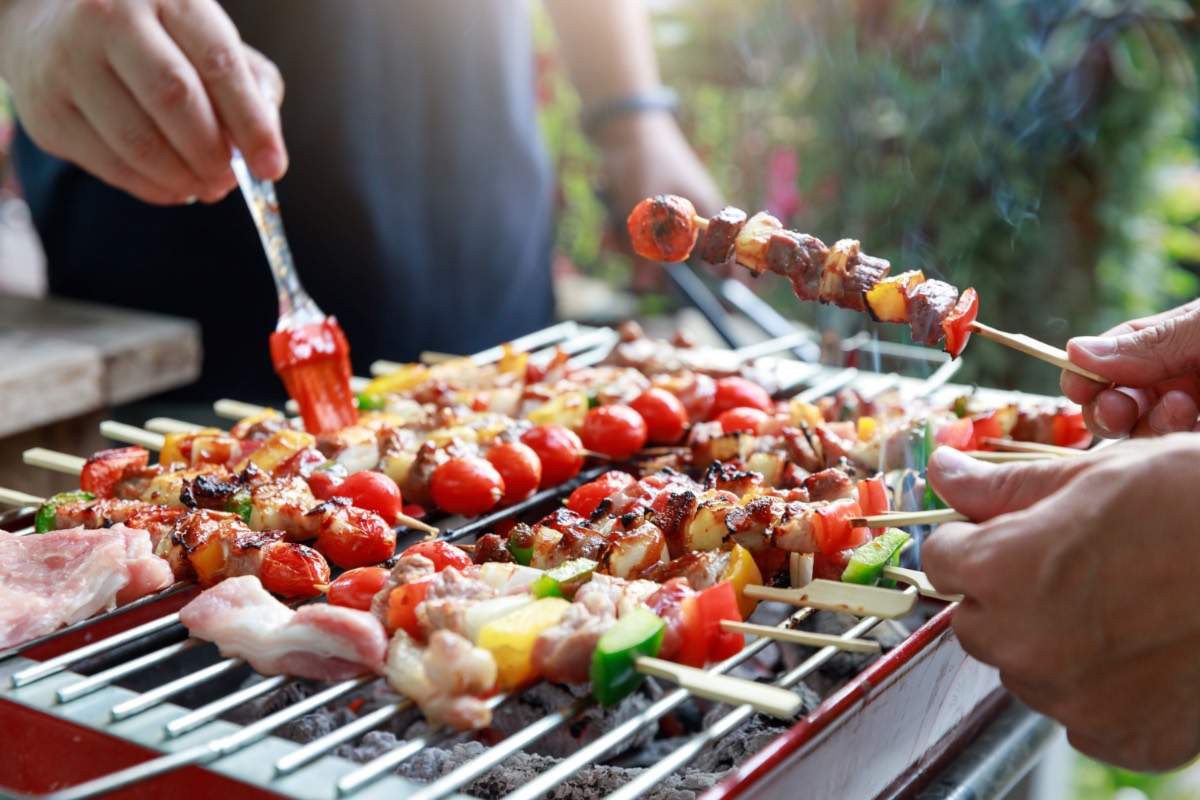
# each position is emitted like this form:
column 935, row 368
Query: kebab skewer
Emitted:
column 667, row 228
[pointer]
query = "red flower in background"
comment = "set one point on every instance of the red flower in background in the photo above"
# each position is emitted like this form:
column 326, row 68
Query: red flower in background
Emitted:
column 783, row 195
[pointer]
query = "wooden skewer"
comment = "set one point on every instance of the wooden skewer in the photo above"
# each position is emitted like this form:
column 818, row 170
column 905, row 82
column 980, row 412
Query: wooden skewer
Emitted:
column 166, row 425
column 1031, row 346
column 11, row 497
column 902, row 519
column 773, row 700
column 921, row 581
column 53, row 460
column 236, row 409
column 431, row 357
column 131, row 434
column 864, row 601
column 73, row 465
column 1012, row 446
column 802, row 637
column 993, row 457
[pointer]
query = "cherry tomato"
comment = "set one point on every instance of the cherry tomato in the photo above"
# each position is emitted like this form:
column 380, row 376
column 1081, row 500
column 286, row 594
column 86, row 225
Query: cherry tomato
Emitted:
column 520, row 468
column 324, row 484
column 587, row 498
column 663, row 228
column 103, row 470
column 616, row 431
column 354, row 537
column 665, row 415
column 559, row 451
column 292, row 570
column 442, row 554
column 373, row 491
column 356, row 588
column 743, row 420
column 467, row 486
column 734, row 392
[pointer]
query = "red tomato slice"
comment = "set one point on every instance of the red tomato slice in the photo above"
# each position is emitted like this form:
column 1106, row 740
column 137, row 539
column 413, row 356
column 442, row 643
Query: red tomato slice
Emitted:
column 442, row 554
column 469, row 486
column 520, row 468
column 292, row 570
column 693, row 649
column 402, row 606
column 356, row 588
column 1070, row 430
column 559, row 450
column 587, row 498
column 734, row 392
column 956, row 434
column 873, row 496
column 102, row 471
column 832, row 527
column 665, row 416
column 373, row 491
column 616, row 431
column 987, row 427
column 957, row 323
column 716, row 604
column 743, row 420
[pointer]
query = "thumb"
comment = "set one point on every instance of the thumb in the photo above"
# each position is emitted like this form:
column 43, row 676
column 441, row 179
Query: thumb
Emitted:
column 1141, row 358
column 982, row 491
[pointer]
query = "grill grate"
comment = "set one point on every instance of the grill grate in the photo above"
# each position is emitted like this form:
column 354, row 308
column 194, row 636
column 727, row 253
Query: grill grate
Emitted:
column 199, row 737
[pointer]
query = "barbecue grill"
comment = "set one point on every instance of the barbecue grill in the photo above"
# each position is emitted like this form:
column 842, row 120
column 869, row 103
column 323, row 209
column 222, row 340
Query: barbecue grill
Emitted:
column 125, row 705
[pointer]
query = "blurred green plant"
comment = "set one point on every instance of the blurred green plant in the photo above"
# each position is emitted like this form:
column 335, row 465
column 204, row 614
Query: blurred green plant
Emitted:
column 1020, row 146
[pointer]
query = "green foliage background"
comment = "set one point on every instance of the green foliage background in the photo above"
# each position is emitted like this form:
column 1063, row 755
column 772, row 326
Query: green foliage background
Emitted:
column 1035, row 149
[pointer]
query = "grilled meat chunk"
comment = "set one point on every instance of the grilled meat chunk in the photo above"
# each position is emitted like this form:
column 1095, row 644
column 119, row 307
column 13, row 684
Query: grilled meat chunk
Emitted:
column 716, row 245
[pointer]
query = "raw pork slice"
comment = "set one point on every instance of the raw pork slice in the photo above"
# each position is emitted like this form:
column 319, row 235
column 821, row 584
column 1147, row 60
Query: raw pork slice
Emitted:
column 317, row 641
column 53, row 579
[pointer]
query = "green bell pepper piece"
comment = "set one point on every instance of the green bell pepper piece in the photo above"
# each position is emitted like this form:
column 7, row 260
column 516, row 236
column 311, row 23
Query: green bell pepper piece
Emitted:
column 614, row 663
column 564, row 578
column 867, row 563
column 240, row 503
column 370, row 402
column 520, row 544
column 47, row 513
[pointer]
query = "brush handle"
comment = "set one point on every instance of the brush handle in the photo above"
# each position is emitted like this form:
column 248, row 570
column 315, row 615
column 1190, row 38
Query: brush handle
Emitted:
column 296, row 308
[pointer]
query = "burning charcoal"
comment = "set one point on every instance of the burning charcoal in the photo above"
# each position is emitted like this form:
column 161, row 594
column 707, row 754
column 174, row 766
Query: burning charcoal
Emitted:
column 738, row 745
column 546, row 698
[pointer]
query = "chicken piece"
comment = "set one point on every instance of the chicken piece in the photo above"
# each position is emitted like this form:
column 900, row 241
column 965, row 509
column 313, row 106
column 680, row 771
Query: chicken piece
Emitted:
column 449, row 595
column 318, row 641
column 830, row 484
column 630, row 553
column 563, row 652
column 64, row 576
column 162, row 485
column 92, row 514
column 443, row 678
column 281, row 505
column 213, row 545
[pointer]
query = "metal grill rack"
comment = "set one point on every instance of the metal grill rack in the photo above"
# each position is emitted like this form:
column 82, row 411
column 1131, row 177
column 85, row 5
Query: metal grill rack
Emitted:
column 74, row 674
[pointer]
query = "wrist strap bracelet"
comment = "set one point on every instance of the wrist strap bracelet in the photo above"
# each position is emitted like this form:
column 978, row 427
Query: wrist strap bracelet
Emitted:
column 659, row 98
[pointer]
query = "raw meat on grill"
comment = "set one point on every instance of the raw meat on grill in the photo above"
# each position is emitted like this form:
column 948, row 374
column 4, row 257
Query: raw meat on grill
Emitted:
column 61, row 577
column 316, row 641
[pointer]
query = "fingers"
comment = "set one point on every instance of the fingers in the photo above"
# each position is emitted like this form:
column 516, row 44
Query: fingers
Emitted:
column 210, row 41
column 1164, row 350
column 1115, row 412
column 947, row 554
column 121, row 123
column 268, row 76
column 1174, row 412
column 982, row 491
column 91, row 152
column 169, row 91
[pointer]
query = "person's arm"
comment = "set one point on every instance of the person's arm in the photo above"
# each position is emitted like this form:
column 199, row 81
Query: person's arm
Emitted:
column 1080, row 578
column 1154, row 365
column 610, row 59
column 144, row 94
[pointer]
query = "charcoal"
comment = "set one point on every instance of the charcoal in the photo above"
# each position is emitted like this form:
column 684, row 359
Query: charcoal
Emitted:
column 316, row 725
column 546, row 698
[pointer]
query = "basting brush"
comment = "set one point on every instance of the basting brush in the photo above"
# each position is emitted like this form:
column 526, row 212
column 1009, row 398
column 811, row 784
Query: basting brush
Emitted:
column 308, row 349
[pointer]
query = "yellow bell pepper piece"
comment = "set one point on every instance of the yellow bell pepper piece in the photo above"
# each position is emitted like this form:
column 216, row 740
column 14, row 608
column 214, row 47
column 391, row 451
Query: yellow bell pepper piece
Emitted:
column 510, row 639
column 172, row 450
column 274, row 451
column 513, row 362
column 568, row 409
column 866, row 428
column 888, row 299
column 407, row 377
column 742, row 572
column 807, row 413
